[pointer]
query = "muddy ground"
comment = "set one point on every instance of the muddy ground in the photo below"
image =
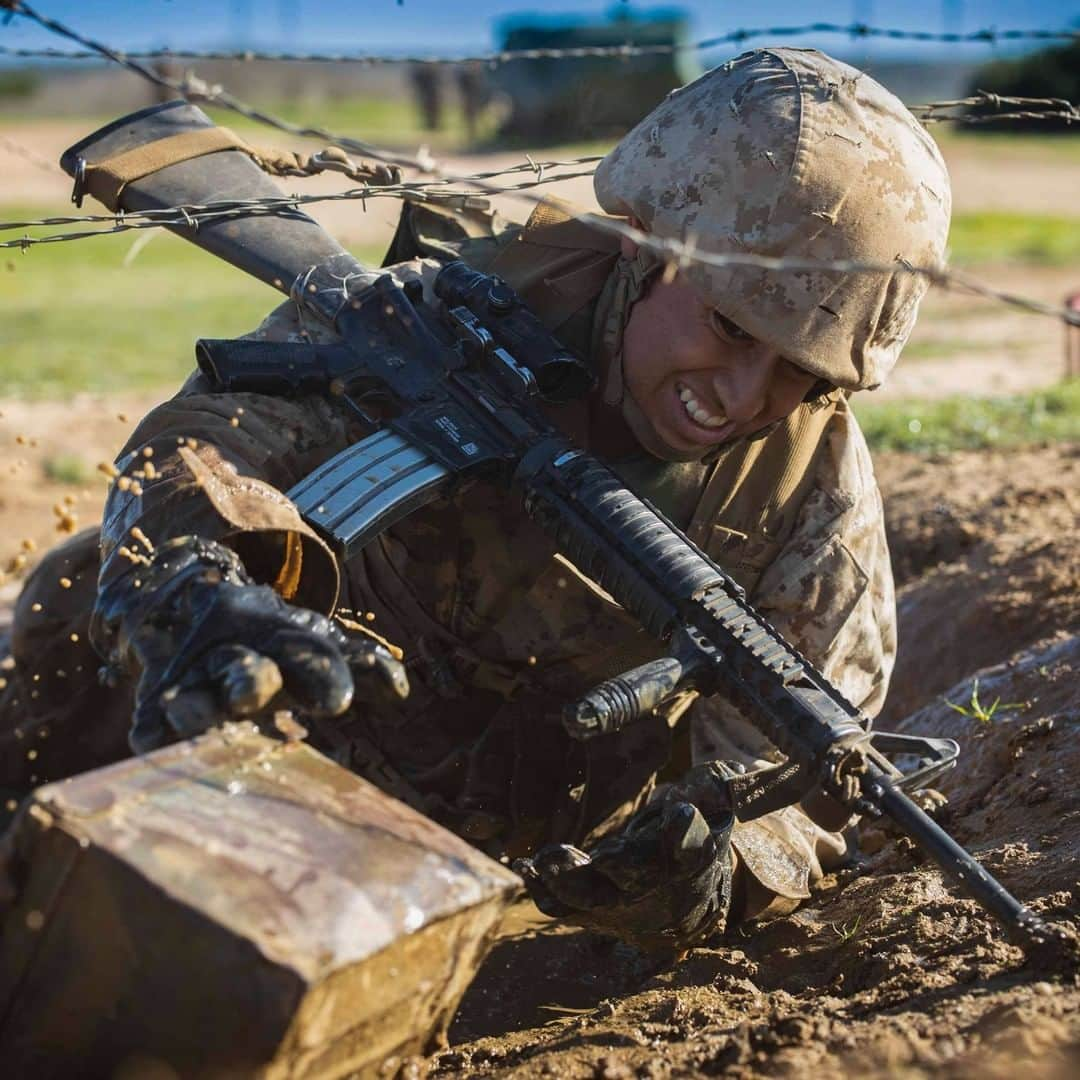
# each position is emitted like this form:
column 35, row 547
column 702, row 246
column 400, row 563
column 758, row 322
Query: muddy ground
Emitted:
column 885, row 971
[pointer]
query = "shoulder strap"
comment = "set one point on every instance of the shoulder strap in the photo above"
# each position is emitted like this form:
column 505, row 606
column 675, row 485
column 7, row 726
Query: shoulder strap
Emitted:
column 447, row 229
column 557, row 263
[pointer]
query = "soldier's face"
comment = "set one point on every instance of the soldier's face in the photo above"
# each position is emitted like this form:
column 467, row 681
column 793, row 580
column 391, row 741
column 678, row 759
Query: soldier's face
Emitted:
column 697, row 378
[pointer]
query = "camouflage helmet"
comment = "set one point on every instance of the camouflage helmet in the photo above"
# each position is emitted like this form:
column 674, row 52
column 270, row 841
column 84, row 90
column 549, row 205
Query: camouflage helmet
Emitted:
column 789, row 152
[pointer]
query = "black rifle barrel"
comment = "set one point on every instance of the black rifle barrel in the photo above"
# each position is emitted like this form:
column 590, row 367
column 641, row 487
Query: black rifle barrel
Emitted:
column 958, row 863
column 663, row 578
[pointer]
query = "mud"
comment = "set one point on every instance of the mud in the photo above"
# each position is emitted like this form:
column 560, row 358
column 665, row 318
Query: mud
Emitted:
column 886, row 971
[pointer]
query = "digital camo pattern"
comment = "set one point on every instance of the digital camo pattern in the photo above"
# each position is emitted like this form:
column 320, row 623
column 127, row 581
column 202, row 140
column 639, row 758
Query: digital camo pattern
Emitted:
column 826, row 164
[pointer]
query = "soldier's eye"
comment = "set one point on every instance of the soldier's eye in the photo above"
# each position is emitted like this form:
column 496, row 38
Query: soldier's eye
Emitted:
column 728, row 330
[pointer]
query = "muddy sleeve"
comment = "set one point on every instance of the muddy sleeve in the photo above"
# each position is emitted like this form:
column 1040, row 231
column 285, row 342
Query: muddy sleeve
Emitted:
column 830, row 593
column 830, row 590
column 216, row 465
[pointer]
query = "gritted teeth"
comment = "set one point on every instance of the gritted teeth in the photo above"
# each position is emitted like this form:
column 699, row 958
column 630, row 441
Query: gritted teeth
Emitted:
column 698, row 414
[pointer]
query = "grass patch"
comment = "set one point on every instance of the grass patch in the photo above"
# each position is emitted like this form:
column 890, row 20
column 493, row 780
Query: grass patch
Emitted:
column 974, row 709
column 996, row 236
column 938, row 348
column 390, row 122
column 1000, row 145
column 385, row 121
column 77, row 318
column 973, row 423
column 68, row 469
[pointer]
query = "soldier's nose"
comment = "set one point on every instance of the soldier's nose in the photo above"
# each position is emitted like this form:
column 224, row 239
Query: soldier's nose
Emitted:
column 744, row 393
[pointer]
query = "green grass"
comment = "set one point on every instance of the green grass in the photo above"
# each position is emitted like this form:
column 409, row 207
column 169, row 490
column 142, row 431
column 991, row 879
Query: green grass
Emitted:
column 974, row 709
column 77, row 318
column 938, row 348
column 69, row 469
column 386, row 121
column 995, row 236
column 973, row 423
column 391, row 122
column 1008, row 144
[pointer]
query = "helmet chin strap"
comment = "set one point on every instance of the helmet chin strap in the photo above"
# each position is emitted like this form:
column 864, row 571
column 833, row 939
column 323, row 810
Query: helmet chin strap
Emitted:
column 632, row 278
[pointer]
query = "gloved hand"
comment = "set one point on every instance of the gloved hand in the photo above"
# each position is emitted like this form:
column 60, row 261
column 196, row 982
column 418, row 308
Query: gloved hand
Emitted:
column 207, row 644
column 663, row 883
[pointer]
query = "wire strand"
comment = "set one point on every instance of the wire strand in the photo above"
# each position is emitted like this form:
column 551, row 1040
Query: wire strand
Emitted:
column 856, row 31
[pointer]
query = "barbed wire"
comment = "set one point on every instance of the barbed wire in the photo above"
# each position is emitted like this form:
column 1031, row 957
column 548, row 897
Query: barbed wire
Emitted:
column 193, row 87
column 193, row 215
column 856, row 30
column 1024, row 108
column 676, row 252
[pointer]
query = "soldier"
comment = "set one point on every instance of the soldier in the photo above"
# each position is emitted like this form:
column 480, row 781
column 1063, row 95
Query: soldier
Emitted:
column 722, row 397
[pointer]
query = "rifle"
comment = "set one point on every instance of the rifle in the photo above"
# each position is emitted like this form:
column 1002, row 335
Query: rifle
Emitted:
column 453, row 392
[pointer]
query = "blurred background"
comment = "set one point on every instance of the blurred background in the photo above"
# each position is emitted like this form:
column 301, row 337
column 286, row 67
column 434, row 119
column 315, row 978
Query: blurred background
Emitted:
column 96, row 330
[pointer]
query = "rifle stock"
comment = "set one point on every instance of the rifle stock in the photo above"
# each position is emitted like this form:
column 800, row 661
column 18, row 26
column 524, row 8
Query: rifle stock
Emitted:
column 275, row 248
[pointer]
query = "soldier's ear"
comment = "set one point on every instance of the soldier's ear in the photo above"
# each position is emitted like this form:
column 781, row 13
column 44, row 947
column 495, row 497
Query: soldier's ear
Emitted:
column 630, row 247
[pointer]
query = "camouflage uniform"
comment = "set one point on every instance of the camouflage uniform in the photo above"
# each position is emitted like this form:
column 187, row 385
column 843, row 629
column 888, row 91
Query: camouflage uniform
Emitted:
column 498, row 630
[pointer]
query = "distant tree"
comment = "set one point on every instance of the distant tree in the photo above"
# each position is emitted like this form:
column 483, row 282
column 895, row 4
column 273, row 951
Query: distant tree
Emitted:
column 1049, row 73
column 18, row 83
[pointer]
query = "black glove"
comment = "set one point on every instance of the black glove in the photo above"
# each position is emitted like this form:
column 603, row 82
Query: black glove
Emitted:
column 663, row 883
column 209, row 645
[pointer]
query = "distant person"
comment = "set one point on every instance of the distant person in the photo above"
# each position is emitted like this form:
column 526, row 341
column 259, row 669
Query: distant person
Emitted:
column 475, row 94
column 427, row 82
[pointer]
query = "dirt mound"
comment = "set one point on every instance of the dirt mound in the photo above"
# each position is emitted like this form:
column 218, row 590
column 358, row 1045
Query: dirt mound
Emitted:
column 887, row 970
column 987, row 557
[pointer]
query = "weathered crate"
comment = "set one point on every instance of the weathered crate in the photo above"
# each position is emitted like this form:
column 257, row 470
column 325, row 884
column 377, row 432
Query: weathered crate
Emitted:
column 233, row 906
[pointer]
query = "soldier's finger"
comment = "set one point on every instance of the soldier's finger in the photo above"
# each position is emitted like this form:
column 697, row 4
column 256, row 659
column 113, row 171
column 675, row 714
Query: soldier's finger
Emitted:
column 248, row 681
column 584, row 888
column 686, row 835
column 570, row 877
column 374, row 659
column 149, row 728
column 557, row 858
column 538, row 891
column 191, row 712
column 634, row 859
column 314, row 671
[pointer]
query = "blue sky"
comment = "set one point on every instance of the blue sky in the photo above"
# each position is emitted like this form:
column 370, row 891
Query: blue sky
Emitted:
column 443, row 26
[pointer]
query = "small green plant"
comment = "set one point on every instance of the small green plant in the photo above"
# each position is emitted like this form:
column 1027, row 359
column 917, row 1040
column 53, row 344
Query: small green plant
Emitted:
column 976, row 710
column 846, row 931
column 68, row 469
